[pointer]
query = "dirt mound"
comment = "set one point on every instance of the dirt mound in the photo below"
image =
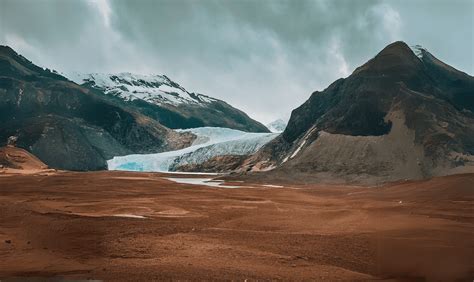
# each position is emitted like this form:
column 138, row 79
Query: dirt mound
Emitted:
column 17, row 158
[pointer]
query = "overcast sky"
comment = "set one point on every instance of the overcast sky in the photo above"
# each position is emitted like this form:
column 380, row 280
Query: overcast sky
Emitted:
column 263, row 56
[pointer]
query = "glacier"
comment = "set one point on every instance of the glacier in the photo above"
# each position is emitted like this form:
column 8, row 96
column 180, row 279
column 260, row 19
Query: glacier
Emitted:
column 210, row 142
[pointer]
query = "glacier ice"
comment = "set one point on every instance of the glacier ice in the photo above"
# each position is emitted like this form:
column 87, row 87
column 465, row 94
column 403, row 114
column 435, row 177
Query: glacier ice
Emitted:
column 277, row 126
column 210, row 142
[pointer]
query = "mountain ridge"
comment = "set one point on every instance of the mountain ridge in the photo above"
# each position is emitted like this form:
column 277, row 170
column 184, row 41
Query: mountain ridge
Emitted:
column 80, row 127
column 166, row 101
column 68, row 126
column 362, row 121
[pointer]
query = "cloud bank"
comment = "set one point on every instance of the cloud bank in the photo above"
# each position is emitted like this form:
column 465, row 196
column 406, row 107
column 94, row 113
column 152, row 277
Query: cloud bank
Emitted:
column 264, row 57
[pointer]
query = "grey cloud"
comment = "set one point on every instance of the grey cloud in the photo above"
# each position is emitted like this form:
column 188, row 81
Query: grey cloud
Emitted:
column 263, row 56
column 64, row 35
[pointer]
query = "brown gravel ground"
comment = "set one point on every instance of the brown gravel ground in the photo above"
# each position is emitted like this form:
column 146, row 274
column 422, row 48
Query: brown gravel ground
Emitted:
column 65, row 225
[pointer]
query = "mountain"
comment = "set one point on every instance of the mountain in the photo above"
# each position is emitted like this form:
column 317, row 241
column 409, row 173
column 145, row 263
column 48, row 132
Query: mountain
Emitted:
column 164, row 100
column 68, row 126
column 402, row 115
column 17, row 158
column 277, row 126
column 214, row 149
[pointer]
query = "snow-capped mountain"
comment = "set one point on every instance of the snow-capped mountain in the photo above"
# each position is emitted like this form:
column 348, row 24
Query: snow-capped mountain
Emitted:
column 418, row 50
column 69, row 126
column 156, row 89
column 210, row 142
column 164, row 100
column 277, row 126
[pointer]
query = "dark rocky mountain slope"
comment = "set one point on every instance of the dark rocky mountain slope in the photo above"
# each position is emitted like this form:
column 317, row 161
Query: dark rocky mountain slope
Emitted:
column 69, row 126
column 402, row 115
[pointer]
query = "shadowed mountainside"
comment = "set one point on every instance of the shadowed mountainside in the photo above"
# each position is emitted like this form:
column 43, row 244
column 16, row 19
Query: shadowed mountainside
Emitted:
column 68, row 126
column 401, row 115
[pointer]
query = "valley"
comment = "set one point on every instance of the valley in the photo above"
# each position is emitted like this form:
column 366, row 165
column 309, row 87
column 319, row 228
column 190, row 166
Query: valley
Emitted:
column 129, row 226
column 130, row 177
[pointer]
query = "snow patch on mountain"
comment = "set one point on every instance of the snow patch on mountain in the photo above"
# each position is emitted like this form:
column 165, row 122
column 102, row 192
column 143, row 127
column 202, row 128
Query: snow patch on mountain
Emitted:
column 210, row 142
column 418, row 50
column 156, row 89
column 277, row 126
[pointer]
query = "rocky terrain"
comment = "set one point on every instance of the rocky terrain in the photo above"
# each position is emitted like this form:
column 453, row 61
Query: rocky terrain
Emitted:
column 123, row 226
column 68, row 126
column 75, row 127
column 80, row 127
column 164, row 100
column 402, row 115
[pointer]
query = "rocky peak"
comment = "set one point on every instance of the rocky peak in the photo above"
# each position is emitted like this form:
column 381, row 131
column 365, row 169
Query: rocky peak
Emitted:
column 7, row 51
column 402, row 115
column 395, row 58
column 15, row 65
column 156, row 89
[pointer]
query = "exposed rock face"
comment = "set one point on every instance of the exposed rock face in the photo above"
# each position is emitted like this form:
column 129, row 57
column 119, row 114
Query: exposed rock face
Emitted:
column 399, row 116
column 69, row 126
column 164, row 100
column 223, row 163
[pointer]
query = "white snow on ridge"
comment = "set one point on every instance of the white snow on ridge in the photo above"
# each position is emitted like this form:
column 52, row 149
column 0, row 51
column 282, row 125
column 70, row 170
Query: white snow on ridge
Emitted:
column 157, row 89
column 277, row 126
column 418, row 50
column 300, row 146
column 210, row 142
column 298, row 149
